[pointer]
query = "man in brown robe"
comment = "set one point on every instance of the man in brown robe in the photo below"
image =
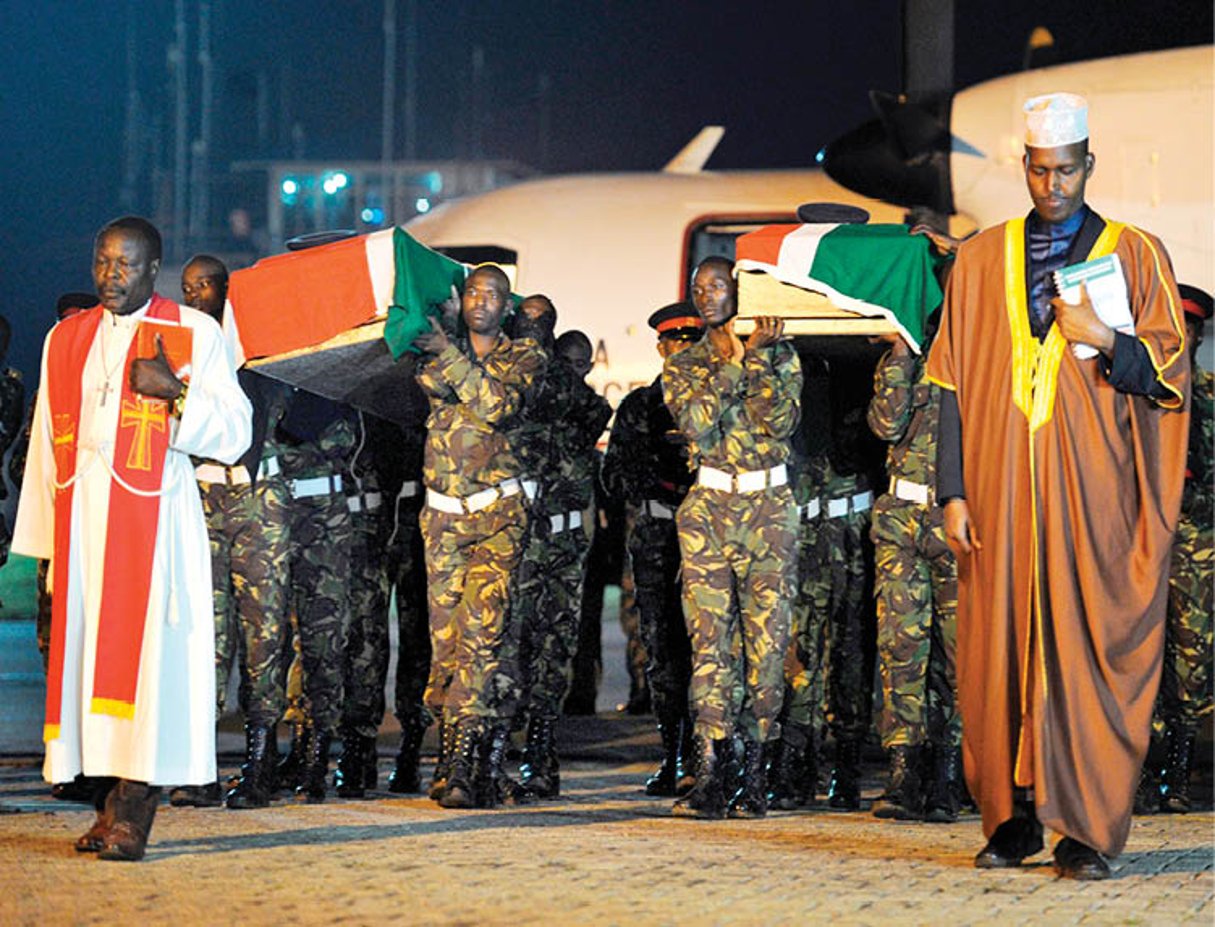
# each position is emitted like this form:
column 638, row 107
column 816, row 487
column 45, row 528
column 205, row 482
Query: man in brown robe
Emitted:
column 1061, row 480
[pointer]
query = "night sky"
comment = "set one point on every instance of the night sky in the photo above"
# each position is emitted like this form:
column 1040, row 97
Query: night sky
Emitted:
column 631, row 81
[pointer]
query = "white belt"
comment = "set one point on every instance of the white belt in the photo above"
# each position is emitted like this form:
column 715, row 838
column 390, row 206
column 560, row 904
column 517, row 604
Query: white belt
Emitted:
column 747, row 481
column 455, row 505
column 566, row 521
column 237, row 475
column 656, row 509
column 844, row 505
column 409, row 489
column 909, row 491
column 316, row 486
column 367, row 502
column 811, row 509
column 218, row 473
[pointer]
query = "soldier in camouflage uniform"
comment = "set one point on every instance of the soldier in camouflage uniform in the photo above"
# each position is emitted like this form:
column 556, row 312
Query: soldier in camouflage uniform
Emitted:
column 474, row 525
column 12, row 412
column 246, row 511
column 646, row 466
column 316, row 438
column 562, row 421
column 366, row 654
column 793, row 766
column 406, row 566
column 1185, row 687
column 917, row 588
column 737, row 407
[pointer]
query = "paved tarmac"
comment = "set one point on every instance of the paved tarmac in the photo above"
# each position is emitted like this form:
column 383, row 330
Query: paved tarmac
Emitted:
column 604, row 854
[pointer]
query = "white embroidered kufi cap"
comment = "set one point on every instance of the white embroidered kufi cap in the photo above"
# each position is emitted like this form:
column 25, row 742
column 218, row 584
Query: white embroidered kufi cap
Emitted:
column 1055, row 119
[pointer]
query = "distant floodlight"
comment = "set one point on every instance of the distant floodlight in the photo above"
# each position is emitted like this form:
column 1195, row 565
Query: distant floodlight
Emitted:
column 819, row 155
column 329, row 186
column 422, row 204
column 366, row 215
column 290, row 186
column 340, row 180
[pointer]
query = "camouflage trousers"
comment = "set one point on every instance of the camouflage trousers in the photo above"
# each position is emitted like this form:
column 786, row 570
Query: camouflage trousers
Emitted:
column 916, row 584
column 804, row 710
column 366, row 653
column 474, row 641
column 636, row 657
column 42, row 621
column 830, row 666
column 250, row 551
column 738, row 557
column 320, row 572
column 654, row 551
column 406, row 570
column 546, row 601
column 1185, row 688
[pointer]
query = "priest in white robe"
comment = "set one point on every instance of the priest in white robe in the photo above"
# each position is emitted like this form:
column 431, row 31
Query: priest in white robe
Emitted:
column 129, row 390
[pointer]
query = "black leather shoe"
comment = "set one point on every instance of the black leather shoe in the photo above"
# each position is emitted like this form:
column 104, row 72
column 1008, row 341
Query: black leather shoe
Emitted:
column 1076, row 860
column 1013, row 841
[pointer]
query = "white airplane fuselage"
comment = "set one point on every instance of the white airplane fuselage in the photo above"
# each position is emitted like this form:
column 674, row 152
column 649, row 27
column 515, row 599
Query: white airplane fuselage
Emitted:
column 609, row 249
column 1151, row 119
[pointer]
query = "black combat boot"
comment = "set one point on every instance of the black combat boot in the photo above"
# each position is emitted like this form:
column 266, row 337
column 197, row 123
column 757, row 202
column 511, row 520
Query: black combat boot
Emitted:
column 210, row 795
column 941, row 801
column 493, row 786
column 844, row 792
column 663, row 781
column 459, row 790
column 788, row 774
column 707, row 799
column 289, row 771
column 903, row 799
column 316, row 773
column 255, row 787
column 447, row 740
column 539, row 772
column 751, row 799
column 1175, row 783
column 405, row 777
column 355, row 766
column 685, row 769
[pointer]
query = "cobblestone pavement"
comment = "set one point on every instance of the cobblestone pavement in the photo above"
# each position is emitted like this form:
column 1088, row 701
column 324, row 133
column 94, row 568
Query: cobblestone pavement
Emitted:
column 605, row 854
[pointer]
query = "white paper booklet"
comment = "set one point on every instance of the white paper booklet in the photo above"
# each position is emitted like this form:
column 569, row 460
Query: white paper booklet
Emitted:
column 1106, row 286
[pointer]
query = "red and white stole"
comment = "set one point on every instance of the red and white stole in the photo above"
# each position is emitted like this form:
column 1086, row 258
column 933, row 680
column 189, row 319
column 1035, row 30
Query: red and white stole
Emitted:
column 140, row 447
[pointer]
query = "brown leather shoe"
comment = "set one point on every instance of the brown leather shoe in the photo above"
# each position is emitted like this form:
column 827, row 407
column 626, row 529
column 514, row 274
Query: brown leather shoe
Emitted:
column 133, row 806
column 124, row 843
column 93, row 839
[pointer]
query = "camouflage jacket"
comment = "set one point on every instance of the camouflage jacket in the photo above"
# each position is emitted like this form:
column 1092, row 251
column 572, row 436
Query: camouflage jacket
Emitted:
column 736, row 417
column 472, row 404
column 647, row 456
column 905, row 411
column 12, row 414
column 814, row 477
column 1199, row 494
column 16, row 461
column 555, row 437
column 316, row 443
